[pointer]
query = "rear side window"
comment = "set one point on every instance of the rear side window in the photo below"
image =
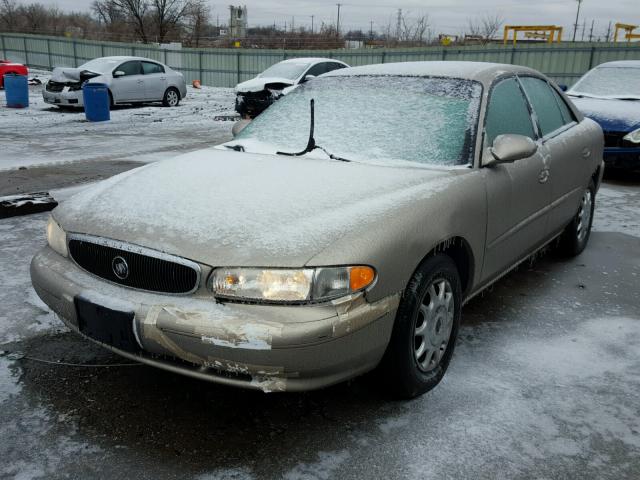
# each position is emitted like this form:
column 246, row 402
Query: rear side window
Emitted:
column 544, row 104
column 507, row 112
column 149, row 67
column 567, row 115
column 130, row 68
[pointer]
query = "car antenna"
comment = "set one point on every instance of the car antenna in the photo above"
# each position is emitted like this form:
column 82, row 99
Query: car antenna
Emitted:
column 311, row 143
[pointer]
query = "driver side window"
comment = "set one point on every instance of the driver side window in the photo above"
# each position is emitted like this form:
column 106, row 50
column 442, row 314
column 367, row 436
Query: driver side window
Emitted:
column 130, row 68
column 317, row 70
column 507, row 112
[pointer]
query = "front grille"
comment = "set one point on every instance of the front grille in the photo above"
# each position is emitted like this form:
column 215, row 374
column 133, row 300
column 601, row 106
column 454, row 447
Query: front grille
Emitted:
column 146, row 269
column 54, row 86
column 615, row 140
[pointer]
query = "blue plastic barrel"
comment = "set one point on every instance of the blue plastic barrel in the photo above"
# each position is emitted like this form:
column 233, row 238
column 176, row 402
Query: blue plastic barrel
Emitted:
column 96, row 102
column 16, row 88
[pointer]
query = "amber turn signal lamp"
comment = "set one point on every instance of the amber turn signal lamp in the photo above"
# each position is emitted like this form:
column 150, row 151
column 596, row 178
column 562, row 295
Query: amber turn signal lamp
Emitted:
column 361, row 277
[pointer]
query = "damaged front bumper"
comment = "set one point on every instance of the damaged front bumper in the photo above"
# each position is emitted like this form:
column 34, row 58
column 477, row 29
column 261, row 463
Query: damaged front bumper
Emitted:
column 66, row 98
column 265, row 347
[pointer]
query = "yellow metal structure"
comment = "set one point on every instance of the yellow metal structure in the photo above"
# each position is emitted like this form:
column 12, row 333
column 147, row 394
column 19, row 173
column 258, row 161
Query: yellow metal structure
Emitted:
column 627, row 28
column 551, row 33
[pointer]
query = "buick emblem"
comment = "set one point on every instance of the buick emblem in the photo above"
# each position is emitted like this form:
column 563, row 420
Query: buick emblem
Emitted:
column 120, row 267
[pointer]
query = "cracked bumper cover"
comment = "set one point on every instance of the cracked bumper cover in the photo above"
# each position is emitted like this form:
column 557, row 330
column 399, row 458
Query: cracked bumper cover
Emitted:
column 266, row 347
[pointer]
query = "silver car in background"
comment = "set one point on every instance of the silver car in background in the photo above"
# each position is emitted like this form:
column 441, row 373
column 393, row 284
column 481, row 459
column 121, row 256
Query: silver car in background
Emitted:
column 130, row 80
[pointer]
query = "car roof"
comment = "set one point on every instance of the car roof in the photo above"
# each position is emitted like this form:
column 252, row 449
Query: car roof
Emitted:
column 481, row 71
column 621, row 63
column 311, row 60
column 121, row 58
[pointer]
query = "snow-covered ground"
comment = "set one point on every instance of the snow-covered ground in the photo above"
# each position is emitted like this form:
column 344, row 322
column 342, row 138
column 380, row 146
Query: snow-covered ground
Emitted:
column 44, row 134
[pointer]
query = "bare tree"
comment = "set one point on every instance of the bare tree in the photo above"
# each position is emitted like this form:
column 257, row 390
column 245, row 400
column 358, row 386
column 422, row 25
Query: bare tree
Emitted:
column 485, row 27
column 135, row 11
column 413, row 29
column 9, row 14
column 196, row 21
column 167, row 14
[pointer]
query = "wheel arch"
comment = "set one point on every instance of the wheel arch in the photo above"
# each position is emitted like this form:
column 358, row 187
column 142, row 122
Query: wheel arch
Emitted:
column 459, row 250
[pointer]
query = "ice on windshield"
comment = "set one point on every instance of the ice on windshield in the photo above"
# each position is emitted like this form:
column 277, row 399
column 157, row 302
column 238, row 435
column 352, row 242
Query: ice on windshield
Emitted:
column 610, row 82
column 285, row 70
column 378, row 119
column 100, row 65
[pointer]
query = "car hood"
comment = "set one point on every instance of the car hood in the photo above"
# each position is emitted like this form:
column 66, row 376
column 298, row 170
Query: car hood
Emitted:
column 65, row 75
column 612, row 115
column 237, row 209
column 258, row 84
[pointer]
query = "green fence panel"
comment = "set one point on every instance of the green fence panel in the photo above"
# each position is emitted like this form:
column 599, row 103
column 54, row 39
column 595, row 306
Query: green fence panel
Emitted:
column 563, row 62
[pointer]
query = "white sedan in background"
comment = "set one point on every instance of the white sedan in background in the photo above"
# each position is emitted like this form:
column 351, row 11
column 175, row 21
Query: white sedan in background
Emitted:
column 130, row 80
column 255, row 95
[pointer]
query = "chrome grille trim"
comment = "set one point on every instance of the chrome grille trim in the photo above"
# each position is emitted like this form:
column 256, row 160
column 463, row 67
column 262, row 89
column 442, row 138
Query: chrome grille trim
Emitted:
column 136, row 249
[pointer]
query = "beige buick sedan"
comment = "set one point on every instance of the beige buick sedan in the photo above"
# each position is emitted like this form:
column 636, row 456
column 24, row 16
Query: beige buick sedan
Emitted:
column 341, row 231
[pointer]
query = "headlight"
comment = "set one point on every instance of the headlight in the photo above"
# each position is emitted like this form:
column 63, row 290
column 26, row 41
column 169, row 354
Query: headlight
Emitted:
column 56, row 237
column 290, row 285
column 633, row 137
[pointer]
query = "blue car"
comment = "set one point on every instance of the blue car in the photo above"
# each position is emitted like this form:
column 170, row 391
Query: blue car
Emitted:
column 610, row 95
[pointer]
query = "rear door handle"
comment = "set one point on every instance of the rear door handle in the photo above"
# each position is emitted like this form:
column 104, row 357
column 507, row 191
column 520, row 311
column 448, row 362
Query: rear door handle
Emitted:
column 586, row 153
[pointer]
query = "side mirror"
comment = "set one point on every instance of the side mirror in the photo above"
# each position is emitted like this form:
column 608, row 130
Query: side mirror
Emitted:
column 510, row 147
column 563, row 87
column 118, row 73
column 307, row 78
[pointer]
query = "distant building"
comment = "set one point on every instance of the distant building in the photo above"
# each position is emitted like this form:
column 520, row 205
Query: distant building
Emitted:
column 238, row 21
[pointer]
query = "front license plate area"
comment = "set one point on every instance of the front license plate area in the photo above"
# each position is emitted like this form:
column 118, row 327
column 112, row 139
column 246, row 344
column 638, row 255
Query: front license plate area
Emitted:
column 105, row 325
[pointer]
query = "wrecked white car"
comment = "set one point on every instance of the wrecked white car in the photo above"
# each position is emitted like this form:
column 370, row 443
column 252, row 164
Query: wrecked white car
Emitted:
column 255, row 95
column 129, row 79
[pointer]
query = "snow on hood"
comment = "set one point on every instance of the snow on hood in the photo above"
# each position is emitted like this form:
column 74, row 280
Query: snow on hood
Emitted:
column 63, row 74
column 612, row 115
column 258, row 84
column 238, row 209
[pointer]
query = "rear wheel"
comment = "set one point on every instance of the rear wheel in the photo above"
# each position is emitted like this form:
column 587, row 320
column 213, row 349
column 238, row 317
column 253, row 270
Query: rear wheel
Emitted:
column 171, row 98
column 425, row 329
column 576, row 235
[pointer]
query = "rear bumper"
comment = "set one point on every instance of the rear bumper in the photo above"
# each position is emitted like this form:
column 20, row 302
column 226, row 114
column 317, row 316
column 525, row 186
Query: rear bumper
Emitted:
column 627, row 158
column 66, row 99
column 270, row 348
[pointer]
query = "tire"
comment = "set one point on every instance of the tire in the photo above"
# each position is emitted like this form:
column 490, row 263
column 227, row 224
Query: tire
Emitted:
column 171, row 98
column 111, row 103
column 404, row 369
column 576, row 235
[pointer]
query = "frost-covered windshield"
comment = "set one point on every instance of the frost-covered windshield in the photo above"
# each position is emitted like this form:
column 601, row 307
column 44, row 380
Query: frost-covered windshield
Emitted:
column 100, row 65
column 285, row 70
column 610, row 82
column 378, row 119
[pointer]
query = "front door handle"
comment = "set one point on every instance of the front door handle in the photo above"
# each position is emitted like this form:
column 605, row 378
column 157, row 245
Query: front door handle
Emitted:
column 586, row 153
column 543, row 176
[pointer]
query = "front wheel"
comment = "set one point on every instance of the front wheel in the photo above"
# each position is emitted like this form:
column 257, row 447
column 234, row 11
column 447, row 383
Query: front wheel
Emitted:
column 171, row 98
column 576, row 235
column 425, row 329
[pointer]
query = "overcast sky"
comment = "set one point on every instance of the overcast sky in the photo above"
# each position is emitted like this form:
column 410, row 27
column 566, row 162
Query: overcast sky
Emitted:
column 445, row 16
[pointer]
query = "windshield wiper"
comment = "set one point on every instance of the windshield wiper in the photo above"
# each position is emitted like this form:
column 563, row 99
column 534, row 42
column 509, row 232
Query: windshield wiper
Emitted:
column 237, row 147
column 311, row 143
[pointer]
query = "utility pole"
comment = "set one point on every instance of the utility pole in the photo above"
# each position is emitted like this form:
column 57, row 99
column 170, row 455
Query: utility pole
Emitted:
column 591, row 31
column 338, row 22
column 608, row 32
column 312, row 24
column 398, row 25
column 575, row 25
column 371, row 30
column 293, row 20
column 584, row 25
